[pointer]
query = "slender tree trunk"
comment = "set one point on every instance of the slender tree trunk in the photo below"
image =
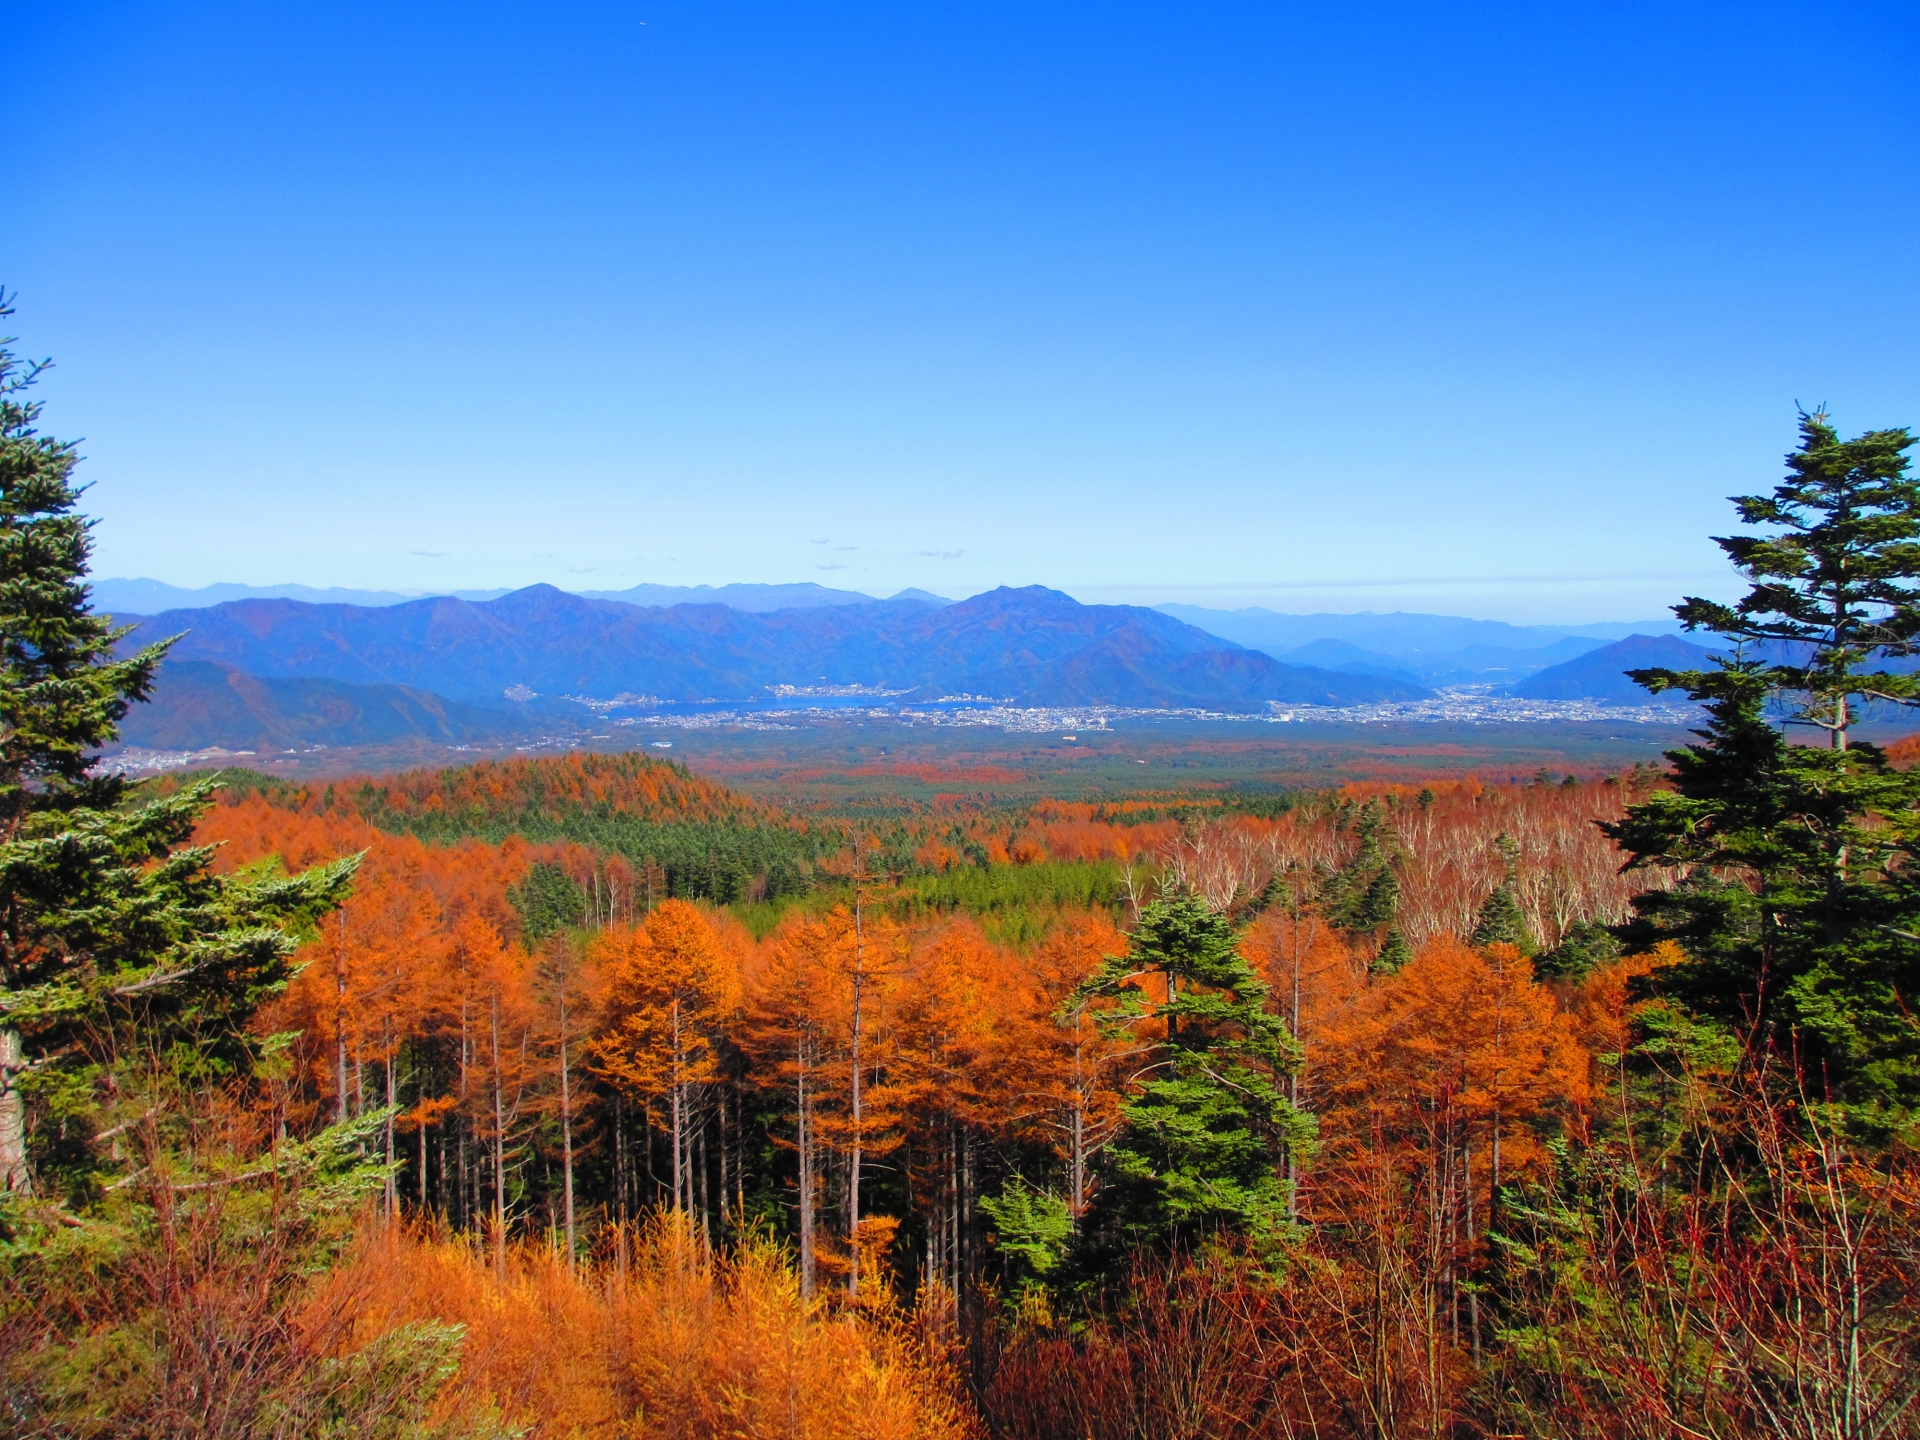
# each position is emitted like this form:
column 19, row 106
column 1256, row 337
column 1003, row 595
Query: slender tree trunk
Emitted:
column 680, row 1195
column 619, row 1157
column 340, row 1020
column 1473, row 1295
column 720, row 1099
column 1293, row 1078
column 462, row 1119
column 499, row 1153
column 805, row 1103
column 853, row 1159
column 566, row 1121
column 646, row 1149
column 700, row 1176
column 1079, row 1185
column 968, row 1266
column 393, row 1183
column 14, row 1176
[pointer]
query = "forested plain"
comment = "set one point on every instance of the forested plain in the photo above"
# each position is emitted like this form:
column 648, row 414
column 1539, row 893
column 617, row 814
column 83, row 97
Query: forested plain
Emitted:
column 586, row 1096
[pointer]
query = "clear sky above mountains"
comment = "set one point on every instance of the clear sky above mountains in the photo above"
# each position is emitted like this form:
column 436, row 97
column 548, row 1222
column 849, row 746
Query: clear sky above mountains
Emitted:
column 1472, row 308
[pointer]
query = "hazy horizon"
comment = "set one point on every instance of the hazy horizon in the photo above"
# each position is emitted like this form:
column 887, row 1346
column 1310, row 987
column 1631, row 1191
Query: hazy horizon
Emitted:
column 484, row 592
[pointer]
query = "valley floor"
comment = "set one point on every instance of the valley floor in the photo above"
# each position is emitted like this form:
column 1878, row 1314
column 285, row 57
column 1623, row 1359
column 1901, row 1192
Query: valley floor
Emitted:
column 871, row 759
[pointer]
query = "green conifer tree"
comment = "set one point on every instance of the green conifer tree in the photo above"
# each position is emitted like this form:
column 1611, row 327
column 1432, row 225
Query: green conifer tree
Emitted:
column 123, row 959
column 1395, row 954
column 1799, row 910
column 1207, row 1126
column 1502, row 922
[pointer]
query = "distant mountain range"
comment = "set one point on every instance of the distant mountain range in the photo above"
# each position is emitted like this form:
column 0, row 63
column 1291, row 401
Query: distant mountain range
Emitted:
column 1421, row 649
column 1400, row 633
column 450, row 668
column 151, row 597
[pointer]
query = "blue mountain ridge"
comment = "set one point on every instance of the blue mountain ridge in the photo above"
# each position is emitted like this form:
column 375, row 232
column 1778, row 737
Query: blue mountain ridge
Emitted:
column 1402, row 634
column 1030, row 646
column 151, row 597
column 1602, row 674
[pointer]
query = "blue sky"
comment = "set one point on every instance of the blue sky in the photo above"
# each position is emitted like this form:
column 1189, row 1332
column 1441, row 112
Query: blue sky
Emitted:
column 1472, row 308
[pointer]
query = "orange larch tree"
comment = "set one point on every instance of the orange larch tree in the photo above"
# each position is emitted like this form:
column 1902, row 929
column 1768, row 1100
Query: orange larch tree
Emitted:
column 672, row 996
column 787, row 1034
column 1062, row 1055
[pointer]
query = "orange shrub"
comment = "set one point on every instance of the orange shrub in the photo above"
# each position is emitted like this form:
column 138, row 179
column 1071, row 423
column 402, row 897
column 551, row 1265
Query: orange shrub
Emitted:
column 662, row 1344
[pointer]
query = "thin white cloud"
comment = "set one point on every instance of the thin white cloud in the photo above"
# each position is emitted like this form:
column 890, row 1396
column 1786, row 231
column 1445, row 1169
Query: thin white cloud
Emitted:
column 936, row 554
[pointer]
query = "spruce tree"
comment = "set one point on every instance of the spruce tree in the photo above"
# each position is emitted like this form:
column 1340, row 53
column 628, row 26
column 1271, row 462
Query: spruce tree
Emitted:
column 124, row 961
column 1206, row 1126
column 1798, row 908
column 1501, row 921
column 1396, row 953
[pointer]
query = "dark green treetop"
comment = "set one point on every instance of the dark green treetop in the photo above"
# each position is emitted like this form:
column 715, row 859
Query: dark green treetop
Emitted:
column 1832, row 590
column 1206, row 1126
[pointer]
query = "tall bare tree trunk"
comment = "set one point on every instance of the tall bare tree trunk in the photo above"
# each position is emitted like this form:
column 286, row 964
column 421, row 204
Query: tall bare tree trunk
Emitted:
column 805, row 1102
column 393, row 1184
column 853, row 1159
column 14, row 1176
column 682, row 1200
column 566, row 1122
column 499, row 1153
column 340, row 1020
column 700, row 1175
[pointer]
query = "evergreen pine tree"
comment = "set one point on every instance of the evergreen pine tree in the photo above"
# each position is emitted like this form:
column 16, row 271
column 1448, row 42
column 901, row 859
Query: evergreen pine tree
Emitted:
column 1395, row 954
column 1798, row 909
column 125, row 964
column 1207, row 1126
column 1502, row 922
column 1586, row 946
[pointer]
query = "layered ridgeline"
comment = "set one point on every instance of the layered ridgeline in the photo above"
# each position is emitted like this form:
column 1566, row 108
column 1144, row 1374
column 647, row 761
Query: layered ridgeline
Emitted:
column 452, row 670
